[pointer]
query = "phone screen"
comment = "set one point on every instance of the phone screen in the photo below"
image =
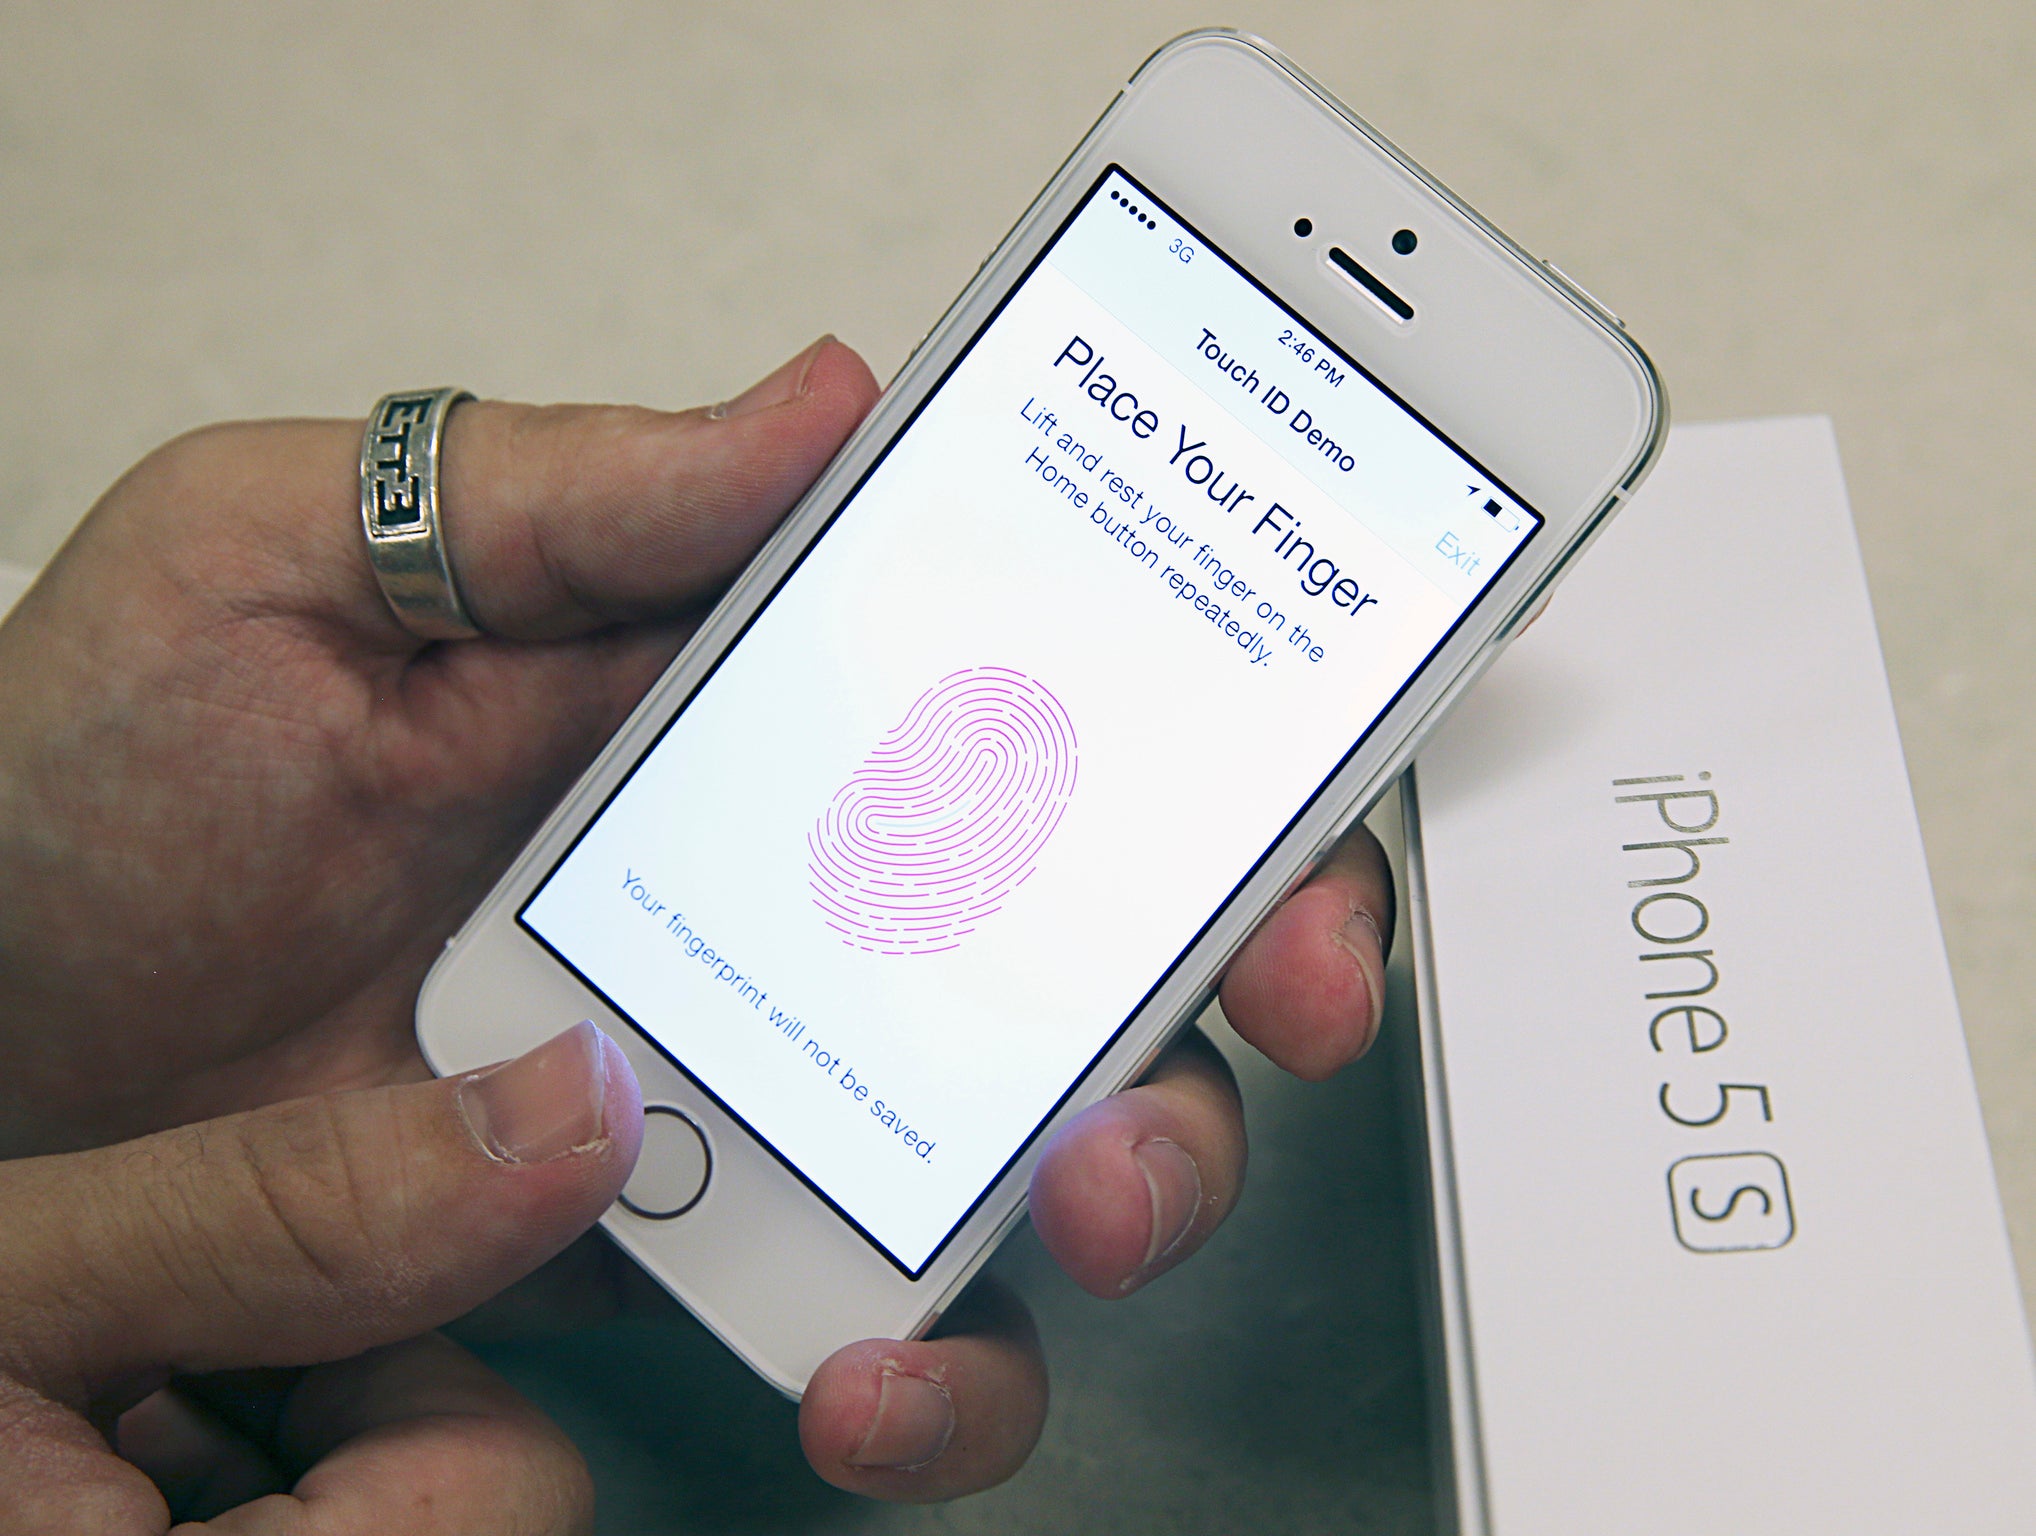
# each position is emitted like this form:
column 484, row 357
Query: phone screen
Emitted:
column 1139, row 575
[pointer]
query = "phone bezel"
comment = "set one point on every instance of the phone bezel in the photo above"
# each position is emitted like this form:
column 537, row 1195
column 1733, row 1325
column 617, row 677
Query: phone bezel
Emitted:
column 742, row 1259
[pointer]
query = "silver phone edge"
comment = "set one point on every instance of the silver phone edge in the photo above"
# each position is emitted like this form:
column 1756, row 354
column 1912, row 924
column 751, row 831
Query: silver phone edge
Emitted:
column 1298, row 851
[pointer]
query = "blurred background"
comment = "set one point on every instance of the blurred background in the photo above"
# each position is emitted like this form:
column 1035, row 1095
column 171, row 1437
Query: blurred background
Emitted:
column 214, row 210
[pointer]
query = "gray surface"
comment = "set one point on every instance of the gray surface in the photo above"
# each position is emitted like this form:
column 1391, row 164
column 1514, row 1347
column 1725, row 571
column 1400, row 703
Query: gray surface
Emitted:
column 213, row 210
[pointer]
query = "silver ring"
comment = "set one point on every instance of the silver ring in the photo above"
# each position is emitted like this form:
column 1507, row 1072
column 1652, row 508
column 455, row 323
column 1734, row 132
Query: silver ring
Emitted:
column 400, row 512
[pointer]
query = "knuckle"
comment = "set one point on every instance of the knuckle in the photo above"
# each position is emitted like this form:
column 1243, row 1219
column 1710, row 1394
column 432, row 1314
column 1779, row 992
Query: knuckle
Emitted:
column 191, row 455
column 328, row 1198
column 195, row 468
column 176, row 1231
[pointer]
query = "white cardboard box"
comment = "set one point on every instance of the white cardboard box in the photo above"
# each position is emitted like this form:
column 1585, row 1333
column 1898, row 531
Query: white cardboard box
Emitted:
column 1718, row 1239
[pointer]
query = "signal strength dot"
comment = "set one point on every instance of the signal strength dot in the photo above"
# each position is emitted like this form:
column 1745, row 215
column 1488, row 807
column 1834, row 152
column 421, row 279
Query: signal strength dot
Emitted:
column 1133, row 209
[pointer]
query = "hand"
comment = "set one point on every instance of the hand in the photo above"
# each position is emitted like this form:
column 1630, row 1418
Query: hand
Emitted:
column 241, row 809
column 333, row 1229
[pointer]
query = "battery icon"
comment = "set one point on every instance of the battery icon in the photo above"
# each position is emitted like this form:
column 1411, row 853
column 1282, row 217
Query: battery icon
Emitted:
column 1505, row 519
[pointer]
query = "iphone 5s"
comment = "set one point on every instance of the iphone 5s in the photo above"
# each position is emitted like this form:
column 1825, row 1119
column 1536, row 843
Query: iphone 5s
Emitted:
column 1237, row 461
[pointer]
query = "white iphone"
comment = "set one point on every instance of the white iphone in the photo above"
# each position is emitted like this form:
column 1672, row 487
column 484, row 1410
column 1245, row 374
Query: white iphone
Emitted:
column 1239, row 458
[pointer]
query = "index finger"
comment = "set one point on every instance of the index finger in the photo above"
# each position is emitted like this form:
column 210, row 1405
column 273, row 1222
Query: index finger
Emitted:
column 558, row 520
column 423, row 1437
column 563, row 519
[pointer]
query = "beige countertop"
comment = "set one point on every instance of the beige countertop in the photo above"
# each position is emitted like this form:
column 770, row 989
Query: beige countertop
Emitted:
column 225, row 210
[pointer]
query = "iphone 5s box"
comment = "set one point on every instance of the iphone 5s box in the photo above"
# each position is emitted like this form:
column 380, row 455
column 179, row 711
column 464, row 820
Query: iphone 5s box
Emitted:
column 1718, row 1246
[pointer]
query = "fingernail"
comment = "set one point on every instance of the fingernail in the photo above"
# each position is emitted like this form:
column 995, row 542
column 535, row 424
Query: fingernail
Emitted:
column 1361, row 939
column 913, row 1423
column 546, row 1103
column 1174, row 1184
column 787, row 383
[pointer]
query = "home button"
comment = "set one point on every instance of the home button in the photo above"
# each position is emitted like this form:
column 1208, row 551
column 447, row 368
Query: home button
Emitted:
column 672, row 1170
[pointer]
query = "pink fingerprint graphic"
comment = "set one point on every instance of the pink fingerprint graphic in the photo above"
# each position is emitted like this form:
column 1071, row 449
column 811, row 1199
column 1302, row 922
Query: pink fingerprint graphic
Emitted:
column 946, row 816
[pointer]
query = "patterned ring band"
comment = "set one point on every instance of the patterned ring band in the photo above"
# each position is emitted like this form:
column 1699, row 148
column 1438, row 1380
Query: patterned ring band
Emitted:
column 400, row 512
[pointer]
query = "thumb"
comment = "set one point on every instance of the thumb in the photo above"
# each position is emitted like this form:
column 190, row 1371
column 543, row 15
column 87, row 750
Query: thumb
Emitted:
column 311, row 1230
